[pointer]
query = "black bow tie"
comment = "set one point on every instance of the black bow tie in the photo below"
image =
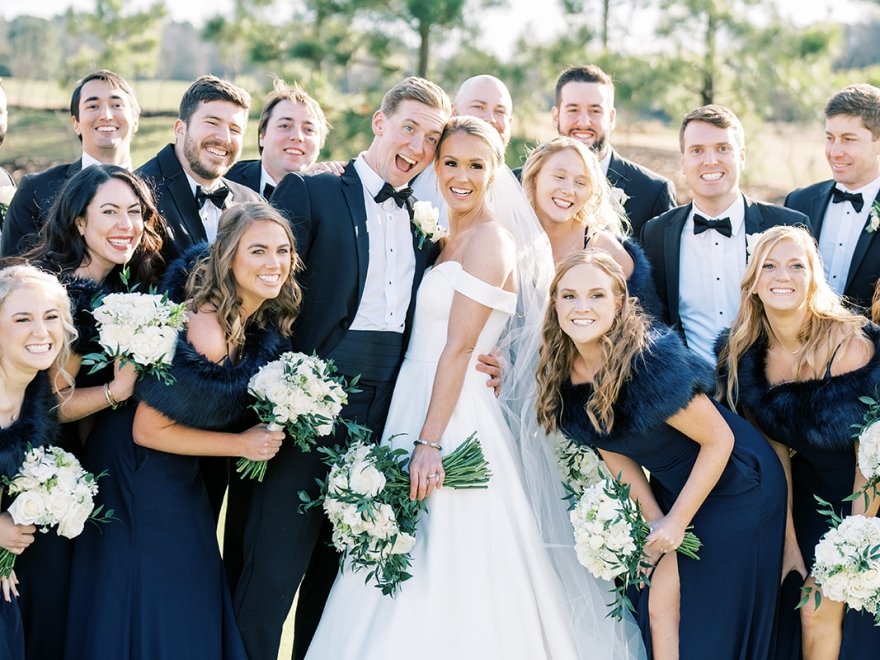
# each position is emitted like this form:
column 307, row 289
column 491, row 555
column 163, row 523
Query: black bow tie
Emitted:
column 722, row 226
column 268, row 189
column 216, row 197
column 400, row 197
column 856, row 199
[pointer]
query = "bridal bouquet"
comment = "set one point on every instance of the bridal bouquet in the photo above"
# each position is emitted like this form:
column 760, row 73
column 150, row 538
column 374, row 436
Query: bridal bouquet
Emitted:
column 366, row 498
column 140, row 328
column 297, row 393
column 868, row 433
column 580, row 466
column 610, row 534
column 52, row 488
column 847, row 563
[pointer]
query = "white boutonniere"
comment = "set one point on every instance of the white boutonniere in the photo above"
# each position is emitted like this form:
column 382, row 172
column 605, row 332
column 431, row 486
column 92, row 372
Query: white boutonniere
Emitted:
column 6, row 194
column 619, row 195
column 751, row 241
column 873, row 218
column 426, row 219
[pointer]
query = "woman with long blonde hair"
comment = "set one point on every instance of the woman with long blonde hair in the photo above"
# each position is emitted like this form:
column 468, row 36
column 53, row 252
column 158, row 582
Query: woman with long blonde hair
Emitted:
column 609, row 379
column 795, row 361
column 578, row 208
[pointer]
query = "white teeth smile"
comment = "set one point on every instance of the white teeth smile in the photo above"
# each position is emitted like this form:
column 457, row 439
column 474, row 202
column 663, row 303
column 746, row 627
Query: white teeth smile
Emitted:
column 119, row 242
column 460, row 191
column 582, row 322
column 269, row 279
column 295, row 152
column 38, row 348
column 562, row 203
column 106, row 129
column 781, row 290
column 220, row 153
column 711, row 176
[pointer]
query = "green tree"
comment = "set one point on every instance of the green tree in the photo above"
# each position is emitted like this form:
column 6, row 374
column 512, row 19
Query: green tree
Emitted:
column 127, row 42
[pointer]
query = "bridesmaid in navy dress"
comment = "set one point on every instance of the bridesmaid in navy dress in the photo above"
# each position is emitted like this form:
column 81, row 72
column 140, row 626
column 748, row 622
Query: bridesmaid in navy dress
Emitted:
column 795, row 361
column 608, row 379
column 104, row 218
column 35, row 330
column 242, row 301
column 574, row 202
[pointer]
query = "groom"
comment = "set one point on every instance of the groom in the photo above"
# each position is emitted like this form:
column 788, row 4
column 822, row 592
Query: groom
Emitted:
column 362, row 269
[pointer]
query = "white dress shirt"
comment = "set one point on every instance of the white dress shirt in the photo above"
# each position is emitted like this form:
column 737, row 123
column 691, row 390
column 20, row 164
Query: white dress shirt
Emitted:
column 392, row 263
column 88, row 161
column 265, row 178
column 209, row 213
column 605, row 163
column 711, row 267
column 840, row 232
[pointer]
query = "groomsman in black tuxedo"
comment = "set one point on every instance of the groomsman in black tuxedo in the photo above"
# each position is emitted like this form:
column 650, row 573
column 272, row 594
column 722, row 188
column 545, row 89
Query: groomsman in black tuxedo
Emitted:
column 7, row 185
column 362, row 269
column 698, row 251
column 844, row 210
column 104, row 113
column 188, row 175
column 585, row 111
column 292, row 132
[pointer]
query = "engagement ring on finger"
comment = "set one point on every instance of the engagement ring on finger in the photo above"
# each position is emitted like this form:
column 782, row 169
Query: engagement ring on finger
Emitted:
column 434, row 476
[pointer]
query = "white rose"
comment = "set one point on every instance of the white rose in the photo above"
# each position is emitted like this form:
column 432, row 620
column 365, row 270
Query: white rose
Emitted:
column 152, row 345
column 27, row 508
column 403, row 543
column 73, row 523
column 383, row 524
column 57, row 504
column 366, row 479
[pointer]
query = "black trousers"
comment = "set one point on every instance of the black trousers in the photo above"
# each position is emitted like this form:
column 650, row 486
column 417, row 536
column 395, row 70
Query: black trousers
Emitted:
column 284, row 546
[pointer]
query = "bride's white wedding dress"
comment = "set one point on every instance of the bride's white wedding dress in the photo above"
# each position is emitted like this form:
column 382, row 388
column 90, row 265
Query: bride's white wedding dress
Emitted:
column 483, row 587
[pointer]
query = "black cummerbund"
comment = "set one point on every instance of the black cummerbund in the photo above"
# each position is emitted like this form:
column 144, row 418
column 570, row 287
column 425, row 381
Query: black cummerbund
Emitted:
column 373, row 354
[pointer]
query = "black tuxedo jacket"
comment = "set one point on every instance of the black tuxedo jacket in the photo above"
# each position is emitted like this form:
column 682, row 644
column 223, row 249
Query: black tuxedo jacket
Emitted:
column 247, row 173
column 648, row 193
column 864, row 269
column 329, row 219
column 177, row 204
column 30, row 206
column 661, row 240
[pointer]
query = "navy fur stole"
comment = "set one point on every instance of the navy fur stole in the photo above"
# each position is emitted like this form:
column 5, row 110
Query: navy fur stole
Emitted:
column 37, row 425
column 83, row 294
column 641, row 282
column 174, row 281
column 663, row 380
column 818, row 412
column 207, row 395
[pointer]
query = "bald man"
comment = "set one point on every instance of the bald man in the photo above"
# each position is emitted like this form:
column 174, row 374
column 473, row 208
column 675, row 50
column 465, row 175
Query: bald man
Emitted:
column 488, row 98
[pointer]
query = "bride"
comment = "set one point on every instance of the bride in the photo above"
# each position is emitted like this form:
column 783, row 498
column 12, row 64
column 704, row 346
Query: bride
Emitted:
column 487, row 581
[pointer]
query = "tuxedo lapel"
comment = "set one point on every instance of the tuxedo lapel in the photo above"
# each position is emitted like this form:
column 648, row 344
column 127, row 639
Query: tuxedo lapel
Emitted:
column 353, row 191
column 182, row 195
column 672, row 258
column 615, row 174
column 818, row 206
column 754, row 219
column 866, row 239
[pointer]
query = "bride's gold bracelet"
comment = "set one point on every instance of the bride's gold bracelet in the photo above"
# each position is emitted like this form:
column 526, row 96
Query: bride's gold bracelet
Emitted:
column 435, row 445
column 111, row 400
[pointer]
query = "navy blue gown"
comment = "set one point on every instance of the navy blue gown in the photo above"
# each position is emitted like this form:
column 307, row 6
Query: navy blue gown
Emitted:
column 36, row 426
column 44, row 570
column 727, row 597
column 815, row 419
column 152, row 586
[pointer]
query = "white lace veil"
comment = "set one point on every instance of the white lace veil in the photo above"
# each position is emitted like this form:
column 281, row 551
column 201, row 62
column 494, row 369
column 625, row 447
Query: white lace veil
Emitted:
column 597, row 636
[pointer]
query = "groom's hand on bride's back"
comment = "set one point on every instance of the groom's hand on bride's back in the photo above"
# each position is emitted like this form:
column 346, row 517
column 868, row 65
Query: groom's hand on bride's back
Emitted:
column 491, row 365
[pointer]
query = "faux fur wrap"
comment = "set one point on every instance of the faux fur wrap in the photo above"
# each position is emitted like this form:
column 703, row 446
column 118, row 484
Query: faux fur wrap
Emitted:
column 641, row 282
column 206, row 395
column 36, row 425
column 818, row 412
column 664, row 379
column 174, row 281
